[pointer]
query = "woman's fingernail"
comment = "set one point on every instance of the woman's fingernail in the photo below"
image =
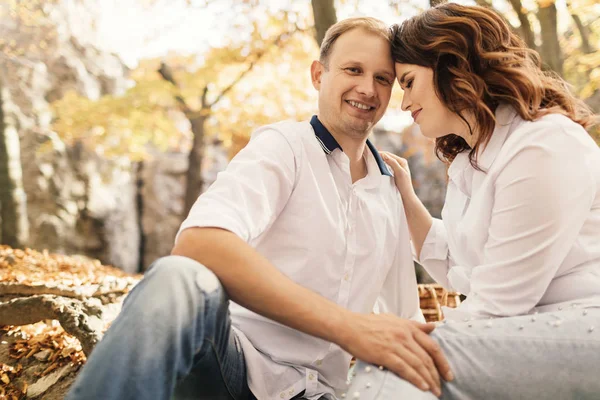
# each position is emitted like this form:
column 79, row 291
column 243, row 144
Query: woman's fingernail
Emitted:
column 450, row 376
column 424, row 386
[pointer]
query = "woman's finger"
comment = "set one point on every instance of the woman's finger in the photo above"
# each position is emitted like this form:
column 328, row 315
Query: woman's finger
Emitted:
column 392, row 158
column 392, row 162
column 401, row 160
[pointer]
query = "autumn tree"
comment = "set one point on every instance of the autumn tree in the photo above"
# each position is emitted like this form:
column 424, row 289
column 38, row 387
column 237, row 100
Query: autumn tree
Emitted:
column 223, row 93
column 206, row 103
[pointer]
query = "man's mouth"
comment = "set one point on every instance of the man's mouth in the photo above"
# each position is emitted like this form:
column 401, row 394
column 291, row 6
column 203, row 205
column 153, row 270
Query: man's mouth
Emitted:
column 360, row 106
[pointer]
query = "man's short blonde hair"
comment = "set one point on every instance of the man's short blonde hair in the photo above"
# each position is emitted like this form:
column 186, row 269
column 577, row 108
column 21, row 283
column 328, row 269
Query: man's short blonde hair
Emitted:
column 369, row 24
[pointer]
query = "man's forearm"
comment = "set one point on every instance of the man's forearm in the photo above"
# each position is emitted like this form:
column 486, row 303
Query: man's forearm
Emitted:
column 253, row 282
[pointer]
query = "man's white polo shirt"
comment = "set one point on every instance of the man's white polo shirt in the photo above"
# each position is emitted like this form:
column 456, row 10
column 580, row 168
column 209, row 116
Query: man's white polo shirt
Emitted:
column 289, row 194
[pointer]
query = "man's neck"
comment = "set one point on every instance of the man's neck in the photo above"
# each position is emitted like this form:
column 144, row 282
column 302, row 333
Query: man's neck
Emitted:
column 354, row 148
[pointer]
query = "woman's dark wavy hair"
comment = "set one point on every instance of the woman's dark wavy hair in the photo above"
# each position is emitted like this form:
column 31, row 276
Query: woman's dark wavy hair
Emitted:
column 477, row 64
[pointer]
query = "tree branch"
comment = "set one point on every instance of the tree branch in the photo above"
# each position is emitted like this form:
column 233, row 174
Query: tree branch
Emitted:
column 167, row 74
column 586, row 47
column 526, row 30
column 276, row 41
column 203, row 97
column 81, row 319
column 109, row 286
column 80, row 292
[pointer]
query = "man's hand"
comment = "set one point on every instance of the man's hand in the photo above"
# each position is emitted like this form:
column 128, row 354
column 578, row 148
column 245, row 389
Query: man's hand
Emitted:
column 402, row 346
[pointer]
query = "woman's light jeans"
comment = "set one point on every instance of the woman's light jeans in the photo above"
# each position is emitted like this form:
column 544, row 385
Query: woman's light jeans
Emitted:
column 554, row 355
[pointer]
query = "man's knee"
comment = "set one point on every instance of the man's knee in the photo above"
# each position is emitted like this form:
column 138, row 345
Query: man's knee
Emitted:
column 179, row 270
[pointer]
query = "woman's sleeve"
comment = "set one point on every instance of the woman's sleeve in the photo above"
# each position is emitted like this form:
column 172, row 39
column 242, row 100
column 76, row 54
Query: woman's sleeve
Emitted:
column 435, row 257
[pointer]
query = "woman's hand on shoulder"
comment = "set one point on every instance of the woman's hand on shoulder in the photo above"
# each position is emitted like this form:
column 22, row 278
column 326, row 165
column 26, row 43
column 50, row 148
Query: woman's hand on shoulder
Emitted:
column 402, row 175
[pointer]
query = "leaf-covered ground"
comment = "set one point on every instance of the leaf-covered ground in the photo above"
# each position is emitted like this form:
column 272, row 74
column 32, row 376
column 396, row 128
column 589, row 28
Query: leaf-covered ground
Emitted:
column 39, row 360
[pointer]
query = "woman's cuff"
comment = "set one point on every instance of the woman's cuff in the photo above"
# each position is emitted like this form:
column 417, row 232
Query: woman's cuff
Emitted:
column 435, row 246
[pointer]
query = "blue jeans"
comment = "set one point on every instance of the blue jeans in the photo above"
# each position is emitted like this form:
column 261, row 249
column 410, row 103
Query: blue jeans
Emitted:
column 552, row 355
column 172, row 337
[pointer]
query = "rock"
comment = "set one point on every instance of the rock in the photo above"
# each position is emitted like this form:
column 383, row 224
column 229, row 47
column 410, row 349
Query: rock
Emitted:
column 163, row 177
column 42, row 355
column 41, row 386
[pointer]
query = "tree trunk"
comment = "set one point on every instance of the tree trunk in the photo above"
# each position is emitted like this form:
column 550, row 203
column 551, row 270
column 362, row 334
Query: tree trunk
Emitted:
column 324, row 15
column 13, row 203
column 194, row 182
column 488, row 4
column 526, row 31
column 550, row 50
column 584, row 33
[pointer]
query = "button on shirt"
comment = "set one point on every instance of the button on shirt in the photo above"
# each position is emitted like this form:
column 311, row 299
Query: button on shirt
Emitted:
column 290, row 195
column 524, row 235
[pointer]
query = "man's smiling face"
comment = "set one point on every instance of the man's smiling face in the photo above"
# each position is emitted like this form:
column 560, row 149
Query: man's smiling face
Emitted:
column 354, row 83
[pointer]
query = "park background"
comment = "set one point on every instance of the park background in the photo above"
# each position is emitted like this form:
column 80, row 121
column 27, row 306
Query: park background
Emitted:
column 116, row 114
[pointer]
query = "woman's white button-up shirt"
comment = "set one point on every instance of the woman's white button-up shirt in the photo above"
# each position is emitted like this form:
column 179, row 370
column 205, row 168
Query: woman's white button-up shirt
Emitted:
column 523, row 235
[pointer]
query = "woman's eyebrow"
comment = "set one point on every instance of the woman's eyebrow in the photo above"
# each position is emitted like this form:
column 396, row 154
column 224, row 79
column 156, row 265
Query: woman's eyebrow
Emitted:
column 402, row 77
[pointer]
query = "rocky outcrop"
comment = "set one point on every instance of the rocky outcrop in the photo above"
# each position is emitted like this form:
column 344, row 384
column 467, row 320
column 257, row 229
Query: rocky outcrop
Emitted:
column 77, row 202
column 121, row 212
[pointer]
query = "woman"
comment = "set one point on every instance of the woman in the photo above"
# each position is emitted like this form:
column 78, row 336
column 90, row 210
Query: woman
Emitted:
column 520, row 229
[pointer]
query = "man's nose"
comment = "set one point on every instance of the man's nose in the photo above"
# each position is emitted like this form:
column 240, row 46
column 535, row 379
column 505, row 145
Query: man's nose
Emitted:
column 366, row 86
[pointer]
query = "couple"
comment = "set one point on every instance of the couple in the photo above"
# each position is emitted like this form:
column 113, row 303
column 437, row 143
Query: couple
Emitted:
column 307, row 231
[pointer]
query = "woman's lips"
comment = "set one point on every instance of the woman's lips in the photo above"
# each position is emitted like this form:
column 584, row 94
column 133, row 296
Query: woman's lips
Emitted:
column 415, row 114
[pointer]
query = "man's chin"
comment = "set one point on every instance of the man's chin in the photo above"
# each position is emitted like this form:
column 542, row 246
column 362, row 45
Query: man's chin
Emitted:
column 360, row 126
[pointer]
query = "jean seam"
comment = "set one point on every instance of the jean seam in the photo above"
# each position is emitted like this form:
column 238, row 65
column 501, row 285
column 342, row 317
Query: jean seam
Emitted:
column 457, row 338
column 219, row 361
column 385, row 375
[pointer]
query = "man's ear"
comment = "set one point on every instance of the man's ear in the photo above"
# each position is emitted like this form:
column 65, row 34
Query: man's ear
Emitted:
column 316, row 70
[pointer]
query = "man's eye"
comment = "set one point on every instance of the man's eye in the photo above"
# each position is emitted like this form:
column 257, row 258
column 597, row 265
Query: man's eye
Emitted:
column 385, row 80
column 353, row 70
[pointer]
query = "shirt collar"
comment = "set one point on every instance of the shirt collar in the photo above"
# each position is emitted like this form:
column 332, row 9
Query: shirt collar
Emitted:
column 329, row 144
column 505, row 115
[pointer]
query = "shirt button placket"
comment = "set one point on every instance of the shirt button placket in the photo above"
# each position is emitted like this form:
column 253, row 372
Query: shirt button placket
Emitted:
column 311, row 382
column 350, row 245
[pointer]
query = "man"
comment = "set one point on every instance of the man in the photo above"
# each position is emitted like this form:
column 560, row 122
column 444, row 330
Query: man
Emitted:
column 303, row 232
